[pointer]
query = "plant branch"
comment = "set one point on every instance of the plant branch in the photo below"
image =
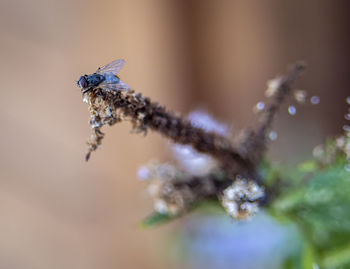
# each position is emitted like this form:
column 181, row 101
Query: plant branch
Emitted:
column 108, row 107
column 256, row 143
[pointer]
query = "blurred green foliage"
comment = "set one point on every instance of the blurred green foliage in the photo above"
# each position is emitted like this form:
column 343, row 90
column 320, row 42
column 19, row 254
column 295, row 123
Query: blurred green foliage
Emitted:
column 315, row 196
column 203, row 207
column 317, row 200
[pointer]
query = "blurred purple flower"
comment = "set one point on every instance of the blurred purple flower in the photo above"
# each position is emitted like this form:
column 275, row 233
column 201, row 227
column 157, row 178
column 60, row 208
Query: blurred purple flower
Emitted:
column 193, row 162
column 202, row 119
column 217, row 242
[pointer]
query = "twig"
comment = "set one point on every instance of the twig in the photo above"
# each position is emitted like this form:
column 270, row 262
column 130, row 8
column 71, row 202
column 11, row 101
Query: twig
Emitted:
column 255, row 143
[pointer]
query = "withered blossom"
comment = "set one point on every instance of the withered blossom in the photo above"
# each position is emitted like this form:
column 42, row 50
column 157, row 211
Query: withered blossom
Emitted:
column 300, row 96
column 193, row 162
column 174, row 191
column 273, row 86
column 241, row 199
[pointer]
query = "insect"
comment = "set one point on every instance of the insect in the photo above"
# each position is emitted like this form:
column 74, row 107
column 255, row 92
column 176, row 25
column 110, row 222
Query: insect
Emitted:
column 105, row 77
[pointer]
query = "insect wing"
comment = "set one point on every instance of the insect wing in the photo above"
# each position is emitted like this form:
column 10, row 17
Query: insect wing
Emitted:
column 113, row 67
column 123, row 86
column 115, row 86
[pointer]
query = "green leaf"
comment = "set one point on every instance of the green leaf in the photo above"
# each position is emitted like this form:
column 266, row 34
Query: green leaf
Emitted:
column 308, row 257
column 308, row 166
column 202, row 207
column 157, row 219
column 289, row 201
column 337, row 258
column 208, row 207
column 320, row 207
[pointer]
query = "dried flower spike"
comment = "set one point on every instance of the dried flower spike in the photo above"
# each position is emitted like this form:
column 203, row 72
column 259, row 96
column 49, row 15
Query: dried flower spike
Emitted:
column 109, row 107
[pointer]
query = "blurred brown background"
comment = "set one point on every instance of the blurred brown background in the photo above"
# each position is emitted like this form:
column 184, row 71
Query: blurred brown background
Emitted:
column 56, row 211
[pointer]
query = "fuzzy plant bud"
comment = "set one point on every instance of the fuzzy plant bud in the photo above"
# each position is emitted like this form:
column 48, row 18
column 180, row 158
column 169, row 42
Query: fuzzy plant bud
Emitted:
column 241, row 199
column 170, row 198
column 273, row 86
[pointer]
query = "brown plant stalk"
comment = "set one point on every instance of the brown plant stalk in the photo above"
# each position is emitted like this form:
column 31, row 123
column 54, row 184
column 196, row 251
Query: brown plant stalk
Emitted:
column 110, row 106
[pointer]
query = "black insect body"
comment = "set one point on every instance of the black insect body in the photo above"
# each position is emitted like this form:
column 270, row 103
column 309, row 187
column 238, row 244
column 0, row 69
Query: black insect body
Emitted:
column 105, row 77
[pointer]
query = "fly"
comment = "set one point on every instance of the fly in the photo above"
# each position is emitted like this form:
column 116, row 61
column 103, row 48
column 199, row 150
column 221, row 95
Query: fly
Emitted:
column 105, row 77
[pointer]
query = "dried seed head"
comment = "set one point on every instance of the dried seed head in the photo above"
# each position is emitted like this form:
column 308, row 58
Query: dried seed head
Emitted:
column 241, row 198
column 300, row 96
column 169, row 197
column 272, row 86
column 168, row 188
